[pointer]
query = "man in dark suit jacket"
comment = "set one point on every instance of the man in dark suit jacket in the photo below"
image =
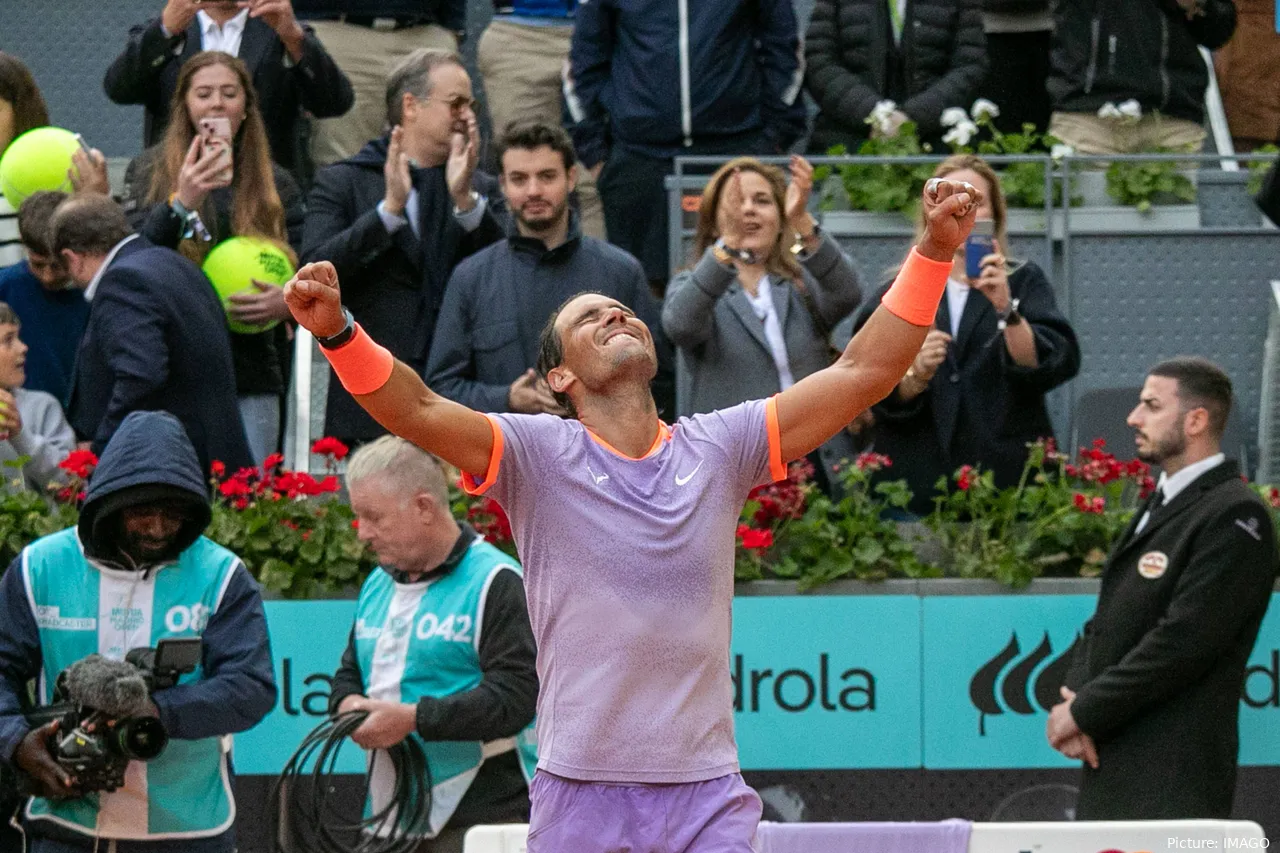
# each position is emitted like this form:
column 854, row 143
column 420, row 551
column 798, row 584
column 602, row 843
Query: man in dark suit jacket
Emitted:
column 291, row 70
column 398, row 216
column 1153, row 694
column 156, row 339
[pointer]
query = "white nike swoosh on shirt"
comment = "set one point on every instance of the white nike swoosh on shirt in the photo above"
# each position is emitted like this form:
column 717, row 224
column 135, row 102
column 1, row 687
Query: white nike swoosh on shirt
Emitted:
column 680, row 481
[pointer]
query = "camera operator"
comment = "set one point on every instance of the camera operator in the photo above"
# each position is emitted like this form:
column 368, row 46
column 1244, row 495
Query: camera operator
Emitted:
column 135, row 571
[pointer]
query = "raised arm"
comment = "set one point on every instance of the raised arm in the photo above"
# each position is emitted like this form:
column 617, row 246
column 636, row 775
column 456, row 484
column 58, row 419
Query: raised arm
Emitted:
column 388, row 389
column 820, row 405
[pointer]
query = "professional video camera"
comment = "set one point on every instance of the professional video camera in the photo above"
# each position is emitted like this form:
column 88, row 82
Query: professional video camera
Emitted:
column 102, row 709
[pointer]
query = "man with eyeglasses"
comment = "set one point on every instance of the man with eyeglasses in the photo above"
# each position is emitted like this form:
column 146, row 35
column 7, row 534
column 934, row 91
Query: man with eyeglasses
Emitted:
column 398, row 216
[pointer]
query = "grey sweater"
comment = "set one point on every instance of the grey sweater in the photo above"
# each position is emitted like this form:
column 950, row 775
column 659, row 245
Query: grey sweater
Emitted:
column 46, row 438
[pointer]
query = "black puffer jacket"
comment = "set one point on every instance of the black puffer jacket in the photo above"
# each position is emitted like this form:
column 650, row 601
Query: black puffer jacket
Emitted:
column 853, row 63
column 1114, row 50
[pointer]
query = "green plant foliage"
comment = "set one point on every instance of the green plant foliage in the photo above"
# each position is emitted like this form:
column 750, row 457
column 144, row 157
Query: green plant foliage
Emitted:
column 1141, row 184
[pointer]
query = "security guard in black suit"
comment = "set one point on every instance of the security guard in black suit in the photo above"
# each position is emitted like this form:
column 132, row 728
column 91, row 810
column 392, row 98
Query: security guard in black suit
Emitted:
column 1153, row 694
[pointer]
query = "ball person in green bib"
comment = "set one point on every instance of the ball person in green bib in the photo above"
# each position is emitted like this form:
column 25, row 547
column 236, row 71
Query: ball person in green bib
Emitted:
column 441, row 649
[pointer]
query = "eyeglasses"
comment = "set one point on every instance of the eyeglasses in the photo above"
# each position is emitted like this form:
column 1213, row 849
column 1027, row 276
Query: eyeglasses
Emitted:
column 457, row 105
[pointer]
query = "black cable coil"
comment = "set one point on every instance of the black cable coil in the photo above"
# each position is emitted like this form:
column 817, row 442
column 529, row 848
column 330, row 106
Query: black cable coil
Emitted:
column 301, row 796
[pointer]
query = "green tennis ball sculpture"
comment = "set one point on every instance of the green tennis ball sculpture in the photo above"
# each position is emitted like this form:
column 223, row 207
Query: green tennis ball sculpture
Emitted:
column 37, row 160
column 236, row 262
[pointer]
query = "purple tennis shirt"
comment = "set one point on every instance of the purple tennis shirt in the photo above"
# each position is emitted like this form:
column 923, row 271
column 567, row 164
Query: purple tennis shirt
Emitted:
column 628, row 568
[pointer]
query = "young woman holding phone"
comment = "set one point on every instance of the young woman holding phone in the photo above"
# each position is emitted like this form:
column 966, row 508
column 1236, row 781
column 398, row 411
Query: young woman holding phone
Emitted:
column 210, row 178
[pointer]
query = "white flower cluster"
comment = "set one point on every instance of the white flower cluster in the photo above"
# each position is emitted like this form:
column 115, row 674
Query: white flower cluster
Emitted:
column 1128, row 111
column 881, row 118
column 964, row 125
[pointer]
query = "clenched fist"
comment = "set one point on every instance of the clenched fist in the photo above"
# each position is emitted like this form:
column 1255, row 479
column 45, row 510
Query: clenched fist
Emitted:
column 950, row 208
column 314, row 299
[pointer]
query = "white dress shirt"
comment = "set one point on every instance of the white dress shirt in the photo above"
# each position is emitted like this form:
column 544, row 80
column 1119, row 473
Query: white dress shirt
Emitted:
column 957, row 297
column 1171, row 486
column 762, row 305
column 225, row 38
column 469, row 220
column 102, row 270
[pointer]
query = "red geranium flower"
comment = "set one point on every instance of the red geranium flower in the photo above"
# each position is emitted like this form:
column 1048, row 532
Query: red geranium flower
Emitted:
column 236, row 487
column 965, row 478
column 756, row 540
column 218, row 468
column 329, row 446
column 79, row 463
column 275, row 460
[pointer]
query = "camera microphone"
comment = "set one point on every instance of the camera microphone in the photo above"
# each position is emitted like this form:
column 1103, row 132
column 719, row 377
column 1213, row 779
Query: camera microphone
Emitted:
column 116, row 688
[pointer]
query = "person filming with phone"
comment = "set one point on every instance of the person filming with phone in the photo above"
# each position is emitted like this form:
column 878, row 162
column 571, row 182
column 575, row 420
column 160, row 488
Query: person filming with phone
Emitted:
column 289, row 69
column 975, row 393
column 101, row 604
column 210, row 178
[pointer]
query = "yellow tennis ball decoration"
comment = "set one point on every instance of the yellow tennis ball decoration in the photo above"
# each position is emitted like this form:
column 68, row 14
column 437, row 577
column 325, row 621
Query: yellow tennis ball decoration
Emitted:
column 37, row 160
column 235, row 263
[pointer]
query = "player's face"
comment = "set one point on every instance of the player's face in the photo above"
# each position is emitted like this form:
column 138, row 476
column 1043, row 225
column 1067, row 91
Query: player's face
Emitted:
column 601, row 336
column 1159, row 421
column 537, row 186
column 391, row 522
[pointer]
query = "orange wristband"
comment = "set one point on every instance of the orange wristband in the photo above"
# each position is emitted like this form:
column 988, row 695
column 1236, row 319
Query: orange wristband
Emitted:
column 363, row 365
column 918, row 288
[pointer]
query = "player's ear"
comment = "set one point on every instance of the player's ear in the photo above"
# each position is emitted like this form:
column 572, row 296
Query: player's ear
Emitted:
column 559, row 378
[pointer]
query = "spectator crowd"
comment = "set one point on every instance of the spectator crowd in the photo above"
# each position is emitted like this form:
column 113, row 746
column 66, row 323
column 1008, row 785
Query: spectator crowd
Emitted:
column 350, row 132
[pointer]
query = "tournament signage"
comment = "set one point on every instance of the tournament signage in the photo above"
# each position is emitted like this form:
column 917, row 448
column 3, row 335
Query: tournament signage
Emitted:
column 831, row 681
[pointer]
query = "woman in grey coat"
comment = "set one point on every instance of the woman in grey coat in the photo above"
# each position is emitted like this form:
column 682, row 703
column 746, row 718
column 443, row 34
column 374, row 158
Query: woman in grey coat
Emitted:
column 751, row 317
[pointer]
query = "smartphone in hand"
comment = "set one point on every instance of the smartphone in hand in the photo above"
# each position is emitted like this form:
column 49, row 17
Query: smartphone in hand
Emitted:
column 215, row 132
column 980, row 243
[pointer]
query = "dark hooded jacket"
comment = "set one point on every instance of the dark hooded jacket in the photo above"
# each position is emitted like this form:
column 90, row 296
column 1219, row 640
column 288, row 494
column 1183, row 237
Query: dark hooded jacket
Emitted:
column 150, row 459
column 393, row 282
column 1105, row 51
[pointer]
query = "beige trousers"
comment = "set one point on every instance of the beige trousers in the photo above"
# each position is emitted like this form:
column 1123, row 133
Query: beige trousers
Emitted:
column 1089, row 134
column 522, row 67
column 367, row 56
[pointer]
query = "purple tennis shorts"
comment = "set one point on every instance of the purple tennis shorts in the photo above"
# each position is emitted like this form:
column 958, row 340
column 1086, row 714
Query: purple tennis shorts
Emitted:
column 716, row 816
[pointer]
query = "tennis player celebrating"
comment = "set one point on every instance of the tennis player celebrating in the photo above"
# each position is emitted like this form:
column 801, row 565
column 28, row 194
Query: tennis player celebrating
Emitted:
column 626, row 530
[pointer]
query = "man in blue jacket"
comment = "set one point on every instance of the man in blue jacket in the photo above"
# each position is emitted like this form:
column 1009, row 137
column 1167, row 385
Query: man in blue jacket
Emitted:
column 156, row 338
column 485, row 344
column 649, row 80
column 136, row 570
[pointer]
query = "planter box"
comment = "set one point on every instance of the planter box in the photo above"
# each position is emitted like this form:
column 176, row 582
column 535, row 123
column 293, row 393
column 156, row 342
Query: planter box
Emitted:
column 1160, row 218
column 859, row 223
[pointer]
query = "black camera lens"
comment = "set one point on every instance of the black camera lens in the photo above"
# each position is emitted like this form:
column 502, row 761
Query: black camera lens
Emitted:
column 139, row 739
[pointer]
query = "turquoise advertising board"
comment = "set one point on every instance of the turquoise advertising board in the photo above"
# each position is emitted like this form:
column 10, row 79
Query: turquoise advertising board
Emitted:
column 823, row 682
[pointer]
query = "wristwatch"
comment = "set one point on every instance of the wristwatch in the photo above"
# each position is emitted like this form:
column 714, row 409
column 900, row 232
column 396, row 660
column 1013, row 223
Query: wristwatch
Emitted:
column 797, row 247
column 475, row 199
column 1010, row 315
column 726, row 254
column 348, row 331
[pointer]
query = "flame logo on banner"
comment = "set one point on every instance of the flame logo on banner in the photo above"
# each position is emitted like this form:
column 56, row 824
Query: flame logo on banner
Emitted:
column 1012, row 692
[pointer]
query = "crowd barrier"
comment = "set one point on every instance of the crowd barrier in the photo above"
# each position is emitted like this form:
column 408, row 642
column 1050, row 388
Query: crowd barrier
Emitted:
column 1046, row 837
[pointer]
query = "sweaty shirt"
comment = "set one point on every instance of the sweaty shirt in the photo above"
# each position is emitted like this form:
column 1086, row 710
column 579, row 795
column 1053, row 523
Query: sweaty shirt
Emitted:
column 629, row 576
